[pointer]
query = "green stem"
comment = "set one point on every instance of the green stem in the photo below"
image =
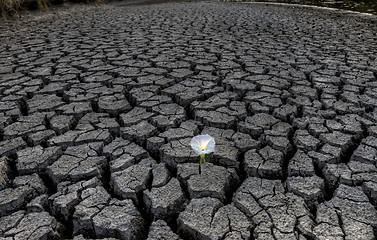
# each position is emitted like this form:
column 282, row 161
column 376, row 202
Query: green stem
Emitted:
column 202, row 160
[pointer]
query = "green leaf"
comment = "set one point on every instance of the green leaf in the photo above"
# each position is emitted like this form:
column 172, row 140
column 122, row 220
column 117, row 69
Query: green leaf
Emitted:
column 208, row 157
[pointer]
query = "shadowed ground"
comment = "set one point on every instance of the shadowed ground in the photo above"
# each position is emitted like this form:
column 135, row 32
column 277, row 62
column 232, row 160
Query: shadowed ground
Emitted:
column 98, row 106
column 366, row 6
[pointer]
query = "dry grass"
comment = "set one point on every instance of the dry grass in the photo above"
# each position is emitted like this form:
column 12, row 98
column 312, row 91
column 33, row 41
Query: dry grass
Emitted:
column 9, row 7
column 13, row 7
column 42, row 4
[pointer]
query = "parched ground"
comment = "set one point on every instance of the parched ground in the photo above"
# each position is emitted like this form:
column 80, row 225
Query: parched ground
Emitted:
column 98, row 105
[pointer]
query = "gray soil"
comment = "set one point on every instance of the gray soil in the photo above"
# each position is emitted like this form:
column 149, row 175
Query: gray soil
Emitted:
column 98, row 105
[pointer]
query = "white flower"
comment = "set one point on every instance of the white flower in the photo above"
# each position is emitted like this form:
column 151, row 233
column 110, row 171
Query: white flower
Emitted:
column 203, row 144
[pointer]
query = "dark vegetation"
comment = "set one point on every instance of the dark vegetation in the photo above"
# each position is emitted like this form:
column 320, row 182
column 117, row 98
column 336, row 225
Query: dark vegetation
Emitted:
column 13, row 7
column 9, row 8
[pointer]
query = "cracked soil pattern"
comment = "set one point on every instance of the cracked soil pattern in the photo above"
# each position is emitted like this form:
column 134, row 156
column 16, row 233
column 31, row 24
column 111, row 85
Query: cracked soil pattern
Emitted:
column 98, row 106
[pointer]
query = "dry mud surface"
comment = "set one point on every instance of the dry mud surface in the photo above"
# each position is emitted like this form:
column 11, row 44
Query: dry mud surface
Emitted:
column 98, row 105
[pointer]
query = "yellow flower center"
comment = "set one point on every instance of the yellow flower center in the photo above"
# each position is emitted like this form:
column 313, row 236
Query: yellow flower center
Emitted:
column 203, row 146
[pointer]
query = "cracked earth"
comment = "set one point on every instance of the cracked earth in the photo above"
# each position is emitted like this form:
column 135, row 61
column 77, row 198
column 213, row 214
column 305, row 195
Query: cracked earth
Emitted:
column 98, row 106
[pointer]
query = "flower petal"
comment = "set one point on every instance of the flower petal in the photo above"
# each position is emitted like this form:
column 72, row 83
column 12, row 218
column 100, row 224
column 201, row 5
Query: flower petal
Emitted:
column 211, row 145
column 195, row 141
column 196, row 149
column 204, row 140
column 206, row 152
column 203, row 144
